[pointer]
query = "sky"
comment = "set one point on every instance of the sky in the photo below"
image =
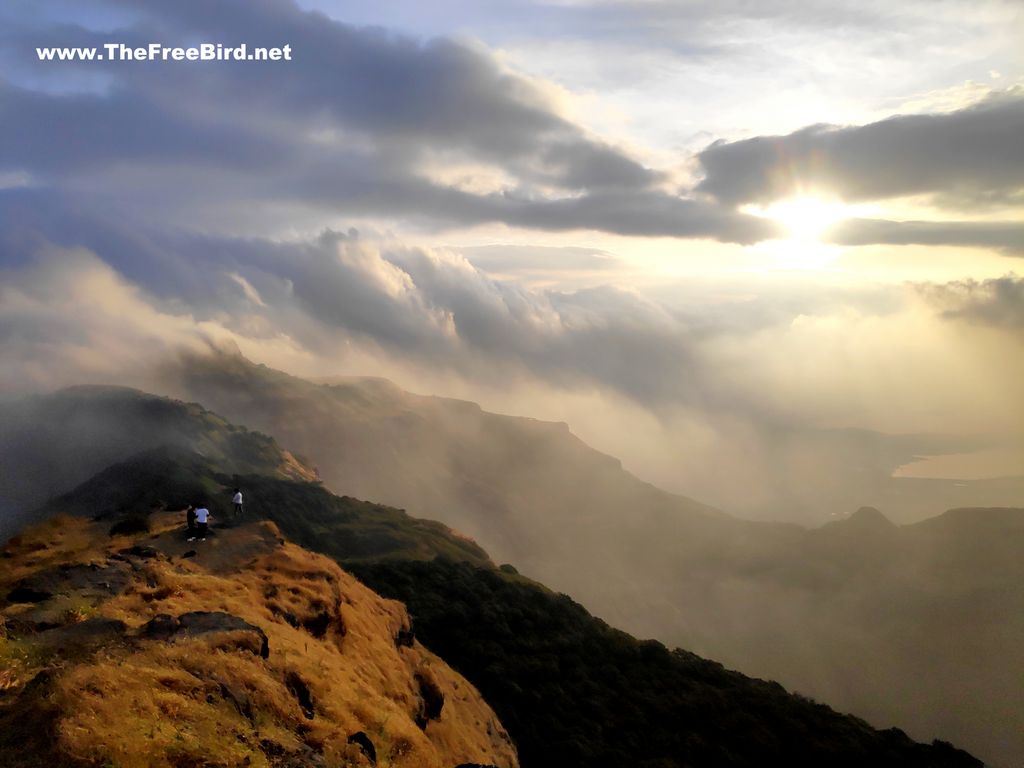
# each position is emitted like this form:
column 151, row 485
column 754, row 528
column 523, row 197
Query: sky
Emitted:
column 684, row 228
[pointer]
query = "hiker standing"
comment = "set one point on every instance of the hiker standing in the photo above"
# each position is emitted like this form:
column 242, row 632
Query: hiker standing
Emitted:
column 237, row 501
column 190, row 521
column 202, row 516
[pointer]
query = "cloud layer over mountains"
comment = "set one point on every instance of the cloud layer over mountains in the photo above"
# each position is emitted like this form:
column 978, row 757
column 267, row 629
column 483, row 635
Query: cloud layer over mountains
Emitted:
column 431, row 309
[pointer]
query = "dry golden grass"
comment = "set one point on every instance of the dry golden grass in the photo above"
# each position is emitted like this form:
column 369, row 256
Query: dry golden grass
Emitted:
column 294, row 469
column 202, row 701
column 61, row 539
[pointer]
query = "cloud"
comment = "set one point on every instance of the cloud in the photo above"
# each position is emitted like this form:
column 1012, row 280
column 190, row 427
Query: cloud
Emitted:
column 428, row 308
column 67, row 317
column 761, row 352
column 529, row 258
column 972, row 151
column 997, row 302
column 365, row 124
column 64, row 317
column 1006, row 236
column 352, row 127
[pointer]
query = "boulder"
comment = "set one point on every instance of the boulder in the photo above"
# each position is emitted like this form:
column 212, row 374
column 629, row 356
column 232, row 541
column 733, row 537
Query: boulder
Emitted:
column 140, row 551
column 361, row 740
column 160, row 627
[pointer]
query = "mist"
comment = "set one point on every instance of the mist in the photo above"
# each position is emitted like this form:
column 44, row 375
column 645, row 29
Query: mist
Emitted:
column 802, row 413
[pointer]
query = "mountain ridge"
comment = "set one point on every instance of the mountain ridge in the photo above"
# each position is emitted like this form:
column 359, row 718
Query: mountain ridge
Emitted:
column 499, row 616
column 848, row 615
column 667, row 567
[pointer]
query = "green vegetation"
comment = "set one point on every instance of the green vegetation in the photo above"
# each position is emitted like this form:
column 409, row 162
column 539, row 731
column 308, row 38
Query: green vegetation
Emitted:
column 348, row 529
column 51, row 443
column 341, row 527
column 575, row 692
column 164, row 478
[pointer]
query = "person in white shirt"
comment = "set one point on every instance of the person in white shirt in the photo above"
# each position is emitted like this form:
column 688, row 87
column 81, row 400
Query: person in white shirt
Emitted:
column 202, row 516
column 237, row 500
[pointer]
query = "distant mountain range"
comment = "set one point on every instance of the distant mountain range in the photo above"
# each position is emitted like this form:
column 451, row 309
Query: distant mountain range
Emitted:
column 918, row 626
column 107, row 609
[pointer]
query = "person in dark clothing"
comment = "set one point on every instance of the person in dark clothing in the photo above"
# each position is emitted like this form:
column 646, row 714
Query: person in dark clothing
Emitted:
column 190, row 521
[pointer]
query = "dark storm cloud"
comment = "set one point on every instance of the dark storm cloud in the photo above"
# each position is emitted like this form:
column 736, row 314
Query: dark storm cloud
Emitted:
column 976, row 150
column 352, row 126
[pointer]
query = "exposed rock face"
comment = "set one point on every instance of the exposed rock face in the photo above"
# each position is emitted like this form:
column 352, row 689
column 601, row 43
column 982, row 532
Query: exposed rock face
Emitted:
column 252, row 652
column 83, row 636
column 365, row 745
column 89, row 579
column 405, row 637
column 302, row 694
column 166, row 627
column 431, row 700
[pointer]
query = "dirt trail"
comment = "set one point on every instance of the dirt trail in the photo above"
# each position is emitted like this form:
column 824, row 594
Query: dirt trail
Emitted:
column 229, row 547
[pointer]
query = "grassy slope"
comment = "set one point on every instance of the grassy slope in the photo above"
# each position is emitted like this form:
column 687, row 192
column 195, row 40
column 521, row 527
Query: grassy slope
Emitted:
column 129, row 700
column 571, row 690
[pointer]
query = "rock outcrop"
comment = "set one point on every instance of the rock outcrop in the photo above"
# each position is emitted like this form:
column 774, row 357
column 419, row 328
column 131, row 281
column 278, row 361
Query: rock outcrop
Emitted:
column 246, row 636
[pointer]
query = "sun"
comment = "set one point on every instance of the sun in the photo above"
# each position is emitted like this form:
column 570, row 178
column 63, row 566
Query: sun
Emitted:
column 806, row 220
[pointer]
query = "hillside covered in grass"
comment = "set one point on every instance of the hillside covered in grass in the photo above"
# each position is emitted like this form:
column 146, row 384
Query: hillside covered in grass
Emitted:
column 243, row 650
